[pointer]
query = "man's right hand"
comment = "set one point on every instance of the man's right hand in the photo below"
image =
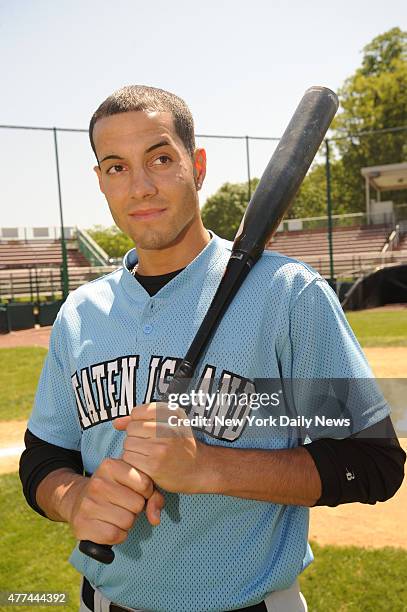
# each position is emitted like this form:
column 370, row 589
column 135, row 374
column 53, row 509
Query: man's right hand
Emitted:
column 108, row 504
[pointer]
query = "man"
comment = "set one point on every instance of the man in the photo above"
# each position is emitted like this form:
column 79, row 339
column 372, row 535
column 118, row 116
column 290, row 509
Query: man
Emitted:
column 214, row 517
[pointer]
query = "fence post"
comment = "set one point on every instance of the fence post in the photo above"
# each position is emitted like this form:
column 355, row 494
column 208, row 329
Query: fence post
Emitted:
column 65, row 274
column 31, row 284
column 329, row 213
column 36, row 285
column 11, row 287
column 52, row 285
column 249, row 187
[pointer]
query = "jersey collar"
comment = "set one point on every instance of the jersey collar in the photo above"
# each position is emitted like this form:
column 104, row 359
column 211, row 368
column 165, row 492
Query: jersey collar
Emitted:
column 214, row 255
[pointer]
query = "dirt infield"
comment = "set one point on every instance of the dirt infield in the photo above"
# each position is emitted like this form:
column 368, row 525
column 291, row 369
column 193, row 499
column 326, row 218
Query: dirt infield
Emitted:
column 11, row 442
column 386, row 362
column 365, row 525
column 26, row 337
column 351, row 524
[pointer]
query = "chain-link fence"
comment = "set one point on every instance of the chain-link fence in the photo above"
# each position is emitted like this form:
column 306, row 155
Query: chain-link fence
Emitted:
column 47, row 180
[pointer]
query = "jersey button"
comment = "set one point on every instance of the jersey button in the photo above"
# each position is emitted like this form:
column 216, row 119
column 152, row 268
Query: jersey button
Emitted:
column 148, row 329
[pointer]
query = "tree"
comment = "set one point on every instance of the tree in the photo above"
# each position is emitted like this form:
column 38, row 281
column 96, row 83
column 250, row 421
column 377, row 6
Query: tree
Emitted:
column 111, row 240
column 374, row 98
column 223, row 211
column 310, row 200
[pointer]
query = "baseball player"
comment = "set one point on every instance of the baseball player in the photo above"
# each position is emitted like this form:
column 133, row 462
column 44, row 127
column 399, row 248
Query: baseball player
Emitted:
column 211, row 513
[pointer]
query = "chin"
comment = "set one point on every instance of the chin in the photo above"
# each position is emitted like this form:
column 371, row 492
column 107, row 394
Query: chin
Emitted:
column 152, row 241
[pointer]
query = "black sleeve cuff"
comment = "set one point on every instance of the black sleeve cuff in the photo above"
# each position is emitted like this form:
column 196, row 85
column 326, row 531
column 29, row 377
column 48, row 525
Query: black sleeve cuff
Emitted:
column 39, row 459
column 360, row 468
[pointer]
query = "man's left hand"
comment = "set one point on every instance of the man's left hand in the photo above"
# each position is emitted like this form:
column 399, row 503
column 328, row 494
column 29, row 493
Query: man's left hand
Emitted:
column 159, row 444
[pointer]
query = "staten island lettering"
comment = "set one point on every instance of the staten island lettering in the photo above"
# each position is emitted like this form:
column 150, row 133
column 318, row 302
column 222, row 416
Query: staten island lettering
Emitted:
column 108, row 390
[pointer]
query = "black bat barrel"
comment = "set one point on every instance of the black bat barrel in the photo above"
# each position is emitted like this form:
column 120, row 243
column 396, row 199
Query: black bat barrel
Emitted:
column 274, row 193
column 286, row 170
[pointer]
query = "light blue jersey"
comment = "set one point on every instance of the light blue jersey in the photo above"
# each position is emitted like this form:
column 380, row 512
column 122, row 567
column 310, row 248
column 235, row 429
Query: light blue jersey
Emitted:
column 112, row 344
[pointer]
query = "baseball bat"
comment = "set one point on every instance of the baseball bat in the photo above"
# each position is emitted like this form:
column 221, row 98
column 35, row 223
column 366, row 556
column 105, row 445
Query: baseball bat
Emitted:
column 276, row 190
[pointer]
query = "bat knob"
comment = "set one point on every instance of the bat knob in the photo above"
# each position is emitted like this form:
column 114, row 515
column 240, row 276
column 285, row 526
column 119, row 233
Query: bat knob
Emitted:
column 100, row 552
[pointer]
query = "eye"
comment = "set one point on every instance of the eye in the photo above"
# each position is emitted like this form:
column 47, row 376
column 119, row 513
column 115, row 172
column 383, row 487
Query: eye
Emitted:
column 116, row 169
column 162, row 160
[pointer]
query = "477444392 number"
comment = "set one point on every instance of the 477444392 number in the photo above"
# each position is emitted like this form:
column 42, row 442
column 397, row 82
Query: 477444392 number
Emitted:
column 32, row 598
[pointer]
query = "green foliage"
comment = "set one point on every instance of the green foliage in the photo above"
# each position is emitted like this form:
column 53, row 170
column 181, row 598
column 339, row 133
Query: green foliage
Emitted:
column 310, row 200
column 373, row 98
column 223, row 211
column 20, row 370
column 380, row 54
column 34, row 551
column 111, row 239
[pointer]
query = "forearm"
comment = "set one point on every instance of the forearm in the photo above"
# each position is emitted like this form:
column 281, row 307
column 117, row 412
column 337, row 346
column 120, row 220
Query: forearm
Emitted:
column 57, row 492
column 286, row 476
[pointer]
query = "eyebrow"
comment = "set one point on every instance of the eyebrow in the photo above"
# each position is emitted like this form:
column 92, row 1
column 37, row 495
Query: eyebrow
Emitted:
column 162, row 143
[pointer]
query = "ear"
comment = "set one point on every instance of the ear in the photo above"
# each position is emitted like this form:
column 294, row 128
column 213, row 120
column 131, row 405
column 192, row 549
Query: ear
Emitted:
column 99, row 175
column 199, row 163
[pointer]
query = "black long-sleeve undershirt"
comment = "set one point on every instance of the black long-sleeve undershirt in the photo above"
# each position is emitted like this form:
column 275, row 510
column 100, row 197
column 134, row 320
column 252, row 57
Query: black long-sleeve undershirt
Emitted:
column 366, row 467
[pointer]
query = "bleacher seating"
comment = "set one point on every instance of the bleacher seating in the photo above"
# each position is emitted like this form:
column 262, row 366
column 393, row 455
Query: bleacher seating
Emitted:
column 33, row 282
column 402, row 245
column 360, row 239
column 33, row 267
column 36, row 253
column 354, row 248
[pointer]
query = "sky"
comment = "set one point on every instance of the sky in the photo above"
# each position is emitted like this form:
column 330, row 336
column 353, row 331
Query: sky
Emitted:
column 242, row 68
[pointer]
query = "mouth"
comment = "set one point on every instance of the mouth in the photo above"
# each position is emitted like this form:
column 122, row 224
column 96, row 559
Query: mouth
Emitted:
column 145, row 215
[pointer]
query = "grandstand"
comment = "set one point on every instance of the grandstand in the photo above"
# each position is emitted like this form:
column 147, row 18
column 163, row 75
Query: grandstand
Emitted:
column 35, row 253
column 31, row 266
column 31, row 262
column 358, row 247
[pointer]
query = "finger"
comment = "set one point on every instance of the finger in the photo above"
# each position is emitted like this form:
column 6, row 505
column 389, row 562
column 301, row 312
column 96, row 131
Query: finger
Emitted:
column 149, row 430
column 154, row 506
column 156, row 411
column 148, row 446
column 119, row 495
column 119, row 471
column 99, row 532
column 121, row 423
column 95, row 509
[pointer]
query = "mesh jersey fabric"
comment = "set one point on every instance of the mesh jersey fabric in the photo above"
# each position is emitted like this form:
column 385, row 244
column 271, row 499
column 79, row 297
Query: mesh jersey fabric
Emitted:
column 210, row 552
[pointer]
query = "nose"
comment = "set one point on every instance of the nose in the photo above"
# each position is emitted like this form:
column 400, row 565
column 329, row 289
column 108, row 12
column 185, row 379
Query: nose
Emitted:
column 142, row 185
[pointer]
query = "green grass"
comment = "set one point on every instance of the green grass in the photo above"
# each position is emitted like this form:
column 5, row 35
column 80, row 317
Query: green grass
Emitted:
column 20, row 367
column 379, row 328
column 356, row 579
column 34, row 556
column 34, row 551
column 19, row 372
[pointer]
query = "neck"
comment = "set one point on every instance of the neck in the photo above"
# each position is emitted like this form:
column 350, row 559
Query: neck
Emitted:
column 173, row 257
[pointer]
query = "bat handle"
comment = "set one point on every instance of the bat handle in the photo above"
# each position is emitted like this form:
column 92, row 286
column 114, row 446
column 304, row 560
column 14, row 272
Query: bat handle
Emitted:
column 100, row 552
column 103, row 552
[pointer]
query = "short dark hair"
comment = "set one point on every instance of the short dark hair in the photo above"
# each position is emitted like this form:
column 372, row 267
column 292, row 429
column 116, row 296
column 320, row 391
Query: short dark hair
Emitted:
column 148, row 99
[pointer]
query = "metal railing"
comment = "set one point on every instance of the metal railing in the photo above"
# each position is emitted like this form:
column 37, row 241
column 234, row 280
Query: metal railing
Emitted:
column 39, row 284
column 393, row 240
column 345, row 220
column 45, row 283
column 90, row 249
